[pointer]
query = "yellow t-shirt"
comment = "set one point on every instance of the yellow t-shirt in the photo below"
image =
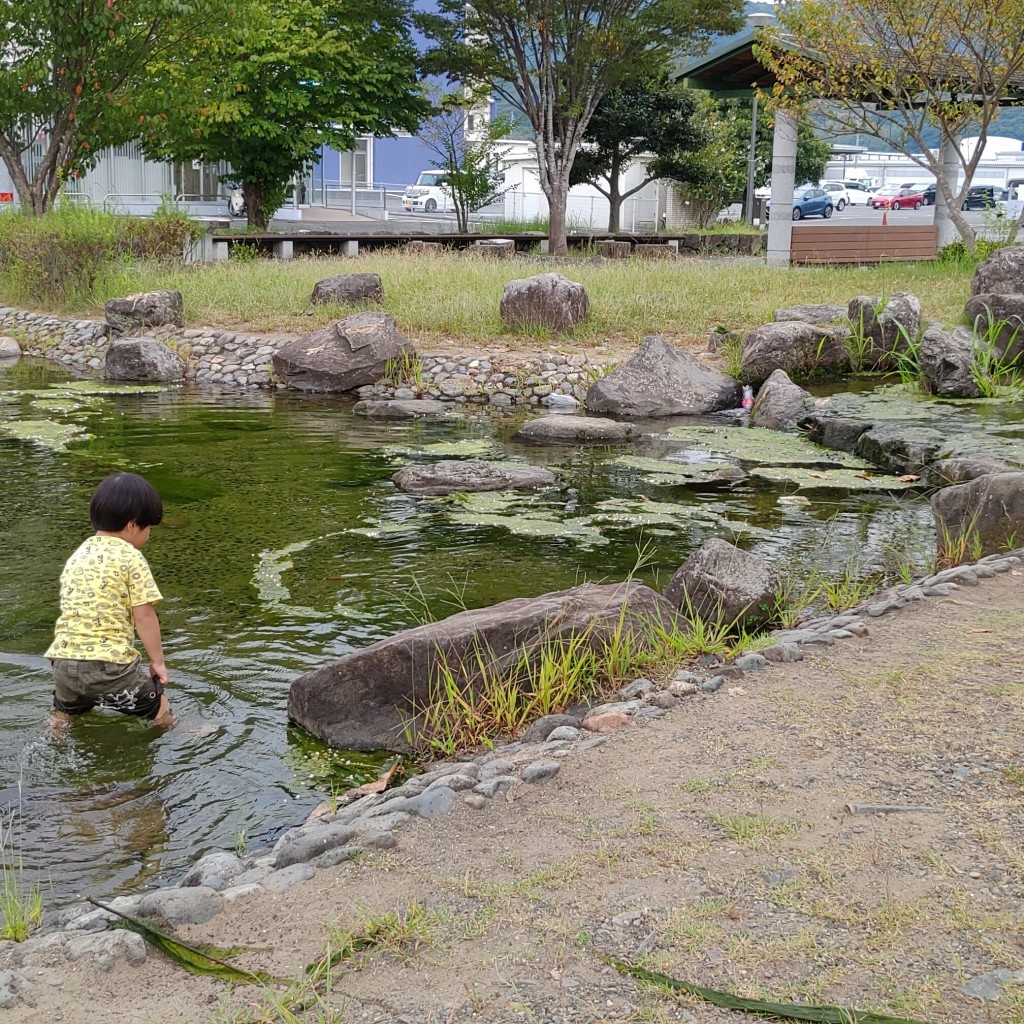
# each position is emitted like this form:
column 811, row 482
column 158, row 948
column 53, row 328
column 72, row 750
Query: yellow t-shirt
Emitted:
column 101, row 583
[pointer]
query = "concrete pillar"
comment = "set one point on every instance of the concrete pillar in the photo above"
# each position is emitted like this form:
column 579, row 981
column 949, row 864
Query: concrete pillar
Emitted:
column 350, row 247
column 283, row 249
column 220, row 250
column 780, row 219
column 948, row 155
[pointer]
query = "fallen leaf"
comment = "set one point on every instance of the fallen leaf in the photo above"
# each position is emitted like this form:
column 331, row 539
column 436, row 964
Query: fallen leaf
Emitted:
column 908, row 478
column 979, row 631
column 377, row 786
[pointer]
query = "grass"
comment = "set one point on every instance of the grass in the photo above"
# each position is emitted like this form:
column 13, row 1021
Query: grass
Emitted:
column 21, row 905
column 448, row 297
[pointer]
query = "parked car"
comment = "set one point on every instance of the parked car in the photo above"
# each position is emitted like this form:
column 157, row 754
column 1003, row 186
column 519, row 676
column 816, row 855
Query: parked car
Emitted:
column 927, row 189
column 808, row 201
column 857, row 193
column 981, row 197
column 897, row 197
column 430, row 193
column 840, row 196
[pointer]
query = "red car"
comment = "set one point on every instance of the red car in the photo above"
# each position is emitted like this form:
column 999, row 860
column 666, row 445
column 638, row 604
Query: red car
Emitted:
column 897, row 197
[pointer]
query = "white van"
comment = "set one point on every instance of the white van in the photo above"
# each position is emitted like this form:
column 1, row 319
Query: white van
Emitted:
column 430, row 193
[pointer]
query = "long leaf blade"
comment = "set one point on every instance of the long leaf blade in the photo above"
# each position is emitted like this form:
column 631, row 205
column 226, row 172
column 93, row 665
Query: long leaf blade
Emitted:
column 782, row 1011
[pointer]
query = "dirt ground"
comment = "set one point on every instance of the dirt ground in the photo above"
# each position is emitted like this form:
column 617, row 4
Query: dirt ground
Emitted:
column 732, row 843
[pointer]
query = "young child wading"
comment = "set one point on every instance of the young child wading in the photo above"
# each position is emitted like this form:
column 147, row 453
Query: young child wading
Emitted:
column 107, row 593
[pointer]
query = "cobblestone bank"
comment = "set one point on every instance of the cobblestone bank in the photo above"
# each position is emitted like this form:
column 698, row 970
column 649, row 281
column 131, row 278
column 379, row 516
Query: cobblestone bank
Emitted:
column 245, row 361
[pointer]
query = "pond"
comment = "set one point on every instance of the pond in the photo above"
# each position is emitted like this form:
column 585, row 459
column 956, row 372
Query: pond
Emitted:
column 284, row 546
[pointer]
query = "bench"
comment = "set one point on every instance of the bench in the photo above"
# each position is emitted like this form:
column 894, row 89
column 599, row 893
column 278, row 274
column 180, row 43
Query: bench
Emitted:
column 853, row 243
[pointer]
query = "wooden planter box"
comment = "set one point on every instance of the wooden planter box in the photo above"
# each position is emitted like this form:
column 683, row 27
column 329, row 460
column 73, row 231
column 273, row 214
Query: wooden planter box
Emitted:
column 852, row 243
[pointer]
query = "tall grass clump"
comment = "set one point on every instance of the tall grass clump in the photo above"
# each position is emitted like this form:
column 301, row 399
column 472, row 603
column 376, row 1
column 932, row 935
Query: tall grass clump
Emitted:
column 21, row 905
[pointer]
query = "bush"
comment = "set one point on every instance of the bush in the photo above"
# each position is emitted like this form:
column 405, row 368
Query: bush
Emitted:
column 61, row 256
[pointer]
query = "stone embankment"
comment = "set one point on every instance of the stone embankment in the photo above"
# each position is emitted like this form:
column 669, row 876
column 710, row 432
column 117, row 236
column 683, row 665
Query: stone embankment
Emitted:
column 236, row 360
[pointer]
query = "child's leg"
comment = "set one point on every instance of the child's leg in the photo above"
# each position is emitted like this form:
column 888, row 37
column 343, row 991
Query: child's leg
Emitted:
column 163, row 718
column 58, row 723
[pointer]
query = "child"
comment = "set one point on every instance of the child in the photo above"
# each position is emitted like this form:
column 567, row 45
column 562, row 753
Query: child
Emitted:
column 107, row 593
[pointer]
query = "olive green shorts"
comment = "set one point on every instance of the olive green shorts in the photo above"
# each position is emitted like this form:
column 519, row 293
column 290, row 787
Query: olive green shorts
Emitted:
column 84, row 685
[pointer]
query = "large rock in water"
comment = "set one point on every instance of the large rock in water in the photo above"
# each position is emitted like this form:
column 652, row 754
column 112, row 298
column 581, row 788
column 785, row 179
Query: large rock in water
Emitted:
column 883, row 329
column 353, row 352
column 721, row 583
column 545, row 300
column 452, row 476
column 142, row 359
column 780, row 404
column 578, row 430
column 998, row 320
column 10, row 348
column 802, row 350
column 364, row 701
column 144, row 309
column 946, row 359
column 348, row 289
column 1002, row 273
column 660, row 380
column 984, row 516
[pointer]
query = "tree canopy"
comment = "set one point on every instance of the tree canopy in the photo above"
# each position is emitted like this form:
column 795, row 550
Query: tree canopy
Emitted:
column 895, row 68
column 554, row 62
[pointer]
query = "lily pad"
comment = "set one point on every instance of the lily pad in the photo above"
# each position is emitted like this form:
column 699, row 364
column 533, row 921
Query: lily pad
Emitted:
column 832, row 479
column 665, row 472
column 46, row 433
column 765, row 447
column 578, row 530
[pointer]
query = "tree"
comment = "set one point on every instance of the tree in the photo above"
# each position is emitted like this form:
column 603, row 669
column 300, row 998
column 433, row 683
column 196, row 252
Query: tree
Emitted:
column 555, row 60
column 893, row 68
column 292, row 76
column 469, row 156
column 74, row 77
column 654, row 116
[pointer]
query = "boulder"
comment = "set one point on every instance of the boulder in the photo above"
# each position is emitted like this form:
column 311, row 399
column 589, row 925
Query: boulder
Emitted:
column 959, row 469
column 561, row 429
column 9, row 348
column 780, row 404
column 981, row 517
column 142, row 359
column 813, row 313
column 946, row 360
column 998, row 320
column 723, row 584
column 899, row 447
column 883, row 329
column 1002, row 273
column 546, row 300
column 660, row 380
column 841, row 433
column 365, row 700
column 353, row 352
column 802, row 350
column 348, row 289
column 403, row 409
column 464, row 475
column 144, row 309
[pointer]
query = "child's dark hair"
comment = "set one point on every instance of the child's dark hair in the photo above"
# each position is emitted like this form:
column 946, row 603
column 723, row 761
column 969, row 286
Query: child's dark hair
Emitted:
column 123, row 498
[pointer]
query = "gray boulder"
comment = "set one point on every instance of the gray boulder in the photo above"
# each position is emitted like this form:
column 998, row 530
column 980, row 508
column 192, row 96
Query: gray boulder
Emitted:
column 985, row 515
column 998, row 320
column 142, row 359
column 9, row 348
column 464, row 475
column 404, row 409
column 661, row 380
column 1002, row 273
column 813, row 313
column 959, row 469
column 946, row 359
column 780, row 403
column 365, row 700
column 561, row 429
column 840, row 433
column 803, row 350
column 144, row 309
column 899, row 447
column 353, row 352
column 348, row 289
column 888, row 328
column 720, row 583
column 546, row 300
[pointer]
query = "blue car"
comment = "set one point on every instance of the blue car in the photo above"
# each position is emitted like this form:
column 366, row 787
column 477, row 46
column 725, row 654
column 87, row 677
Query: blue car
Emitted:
column 808, row 201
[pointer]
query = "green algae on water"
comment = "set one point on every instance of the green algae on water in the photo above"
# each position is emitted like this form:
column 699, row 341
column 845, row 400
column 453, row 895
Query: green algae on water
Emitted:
column 832, row 479
column 664, row 472
column 45, row 433
column 765, row 447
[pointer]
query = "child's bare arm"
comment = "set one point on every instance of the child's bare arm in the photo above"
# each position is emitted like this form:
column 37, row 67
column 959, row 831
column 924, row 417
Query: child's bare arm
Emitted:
column 147, row 625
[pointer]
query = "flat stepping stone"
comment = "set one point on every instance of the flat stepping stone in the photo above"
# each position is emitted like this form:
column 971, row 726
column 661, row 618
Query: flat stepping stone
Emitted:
column 403, row 409
column 562, row 429
column 467, row 475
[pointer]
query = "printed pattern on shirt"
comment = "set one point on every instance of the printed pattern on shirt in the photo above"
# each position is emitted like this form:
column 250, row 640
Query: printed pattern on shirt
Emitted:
column 101, row 583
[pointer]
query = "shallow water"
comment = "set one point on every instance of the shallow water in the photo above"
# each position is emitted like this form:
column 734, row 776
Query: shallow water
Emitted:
column 285, row 546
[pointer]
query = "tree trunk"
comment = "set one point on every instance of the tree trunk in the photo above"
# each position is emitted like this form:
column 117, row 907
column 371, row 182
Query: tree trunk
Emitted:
column 255, row 210
column 557, row 201
column 614, row 199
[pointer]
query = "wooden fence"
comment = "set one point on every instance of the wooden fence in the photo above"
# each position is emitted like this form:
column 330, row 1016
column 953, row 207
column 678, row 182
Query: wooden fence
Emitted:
column 852, row 243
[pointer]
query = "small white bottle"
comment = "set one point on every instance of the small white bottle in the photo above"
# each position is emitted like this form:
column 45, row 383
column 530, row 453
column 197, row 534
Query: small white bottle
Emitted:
column 748, row 397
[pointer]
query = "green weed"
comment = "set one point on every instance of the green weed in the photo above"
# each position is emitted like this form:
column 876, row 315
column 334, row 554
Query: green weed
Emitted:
column 21, row 905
